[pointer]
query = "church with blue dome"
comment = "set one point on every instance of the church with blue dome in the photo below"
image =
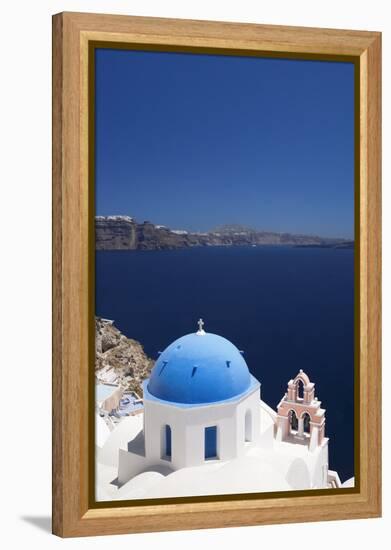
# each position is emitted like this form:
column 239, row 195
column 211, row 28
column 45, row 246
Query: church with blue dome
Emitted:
column 205, row 429
column 200, row 403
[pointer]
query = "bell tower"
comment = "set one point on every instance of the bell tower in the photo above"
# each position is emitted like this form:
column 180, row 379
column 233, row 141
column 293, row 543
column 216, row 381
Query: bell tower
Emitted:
column 300, row 418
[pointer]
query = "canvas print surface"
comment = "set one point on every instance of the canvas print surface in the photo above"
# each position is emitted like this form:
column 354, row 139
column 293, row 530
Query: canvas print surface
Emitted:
column 224, row 274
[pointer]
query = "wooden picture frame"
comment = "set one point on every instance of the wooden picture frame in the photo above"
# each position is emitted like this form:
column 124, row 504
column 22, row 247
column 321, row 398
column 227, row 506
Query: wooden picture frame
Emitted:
column 74, row 514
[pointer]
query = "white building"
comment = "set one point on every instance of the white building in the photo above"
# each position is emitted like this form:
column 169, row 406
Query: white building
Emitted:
column 205, row 430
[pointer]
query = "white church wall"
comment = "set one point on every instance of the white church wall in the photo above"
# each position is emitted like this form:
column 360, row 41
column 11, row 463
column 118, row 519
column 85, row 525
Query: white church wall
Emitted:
column 188, row 430
column 282, row 428
column 188, row 433
column 321, row 466
column 156, row 417
column 249, row 405
column 314, row 441
column 267, row 431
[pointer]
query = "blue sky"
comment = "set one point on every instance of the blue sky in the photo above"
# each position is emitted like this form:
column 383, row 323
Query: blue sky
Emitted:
column 195, row 141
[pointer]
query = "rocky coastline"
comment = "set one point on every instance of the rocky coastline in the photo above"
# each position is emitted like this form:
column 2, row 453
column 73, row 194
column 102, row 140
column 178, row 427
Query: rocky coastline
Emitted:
column 125, row 233
column 118, row 359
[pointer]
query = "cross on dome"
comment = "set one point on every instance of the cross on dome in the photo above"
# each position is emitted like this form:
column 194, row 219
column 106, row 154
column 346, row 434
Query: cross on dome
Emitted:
column 200, row 330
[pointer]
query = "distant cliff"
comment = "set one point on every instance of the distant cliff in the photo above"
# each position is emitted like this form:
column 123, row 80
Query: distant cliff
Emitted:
column 118, row 358
column 125, row 233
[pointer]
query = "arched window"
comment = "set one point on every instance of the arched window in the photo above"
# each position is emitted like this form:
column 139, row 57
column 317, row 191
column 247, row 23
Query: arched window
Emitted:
column 248, row 426
column 300, row 389
column 293, row 421
column 306, row 423
column 166, row 442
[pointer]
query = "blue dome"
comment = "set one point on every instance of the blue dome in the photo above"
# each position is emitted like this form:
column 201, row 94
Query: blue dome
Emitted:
column 199, row 368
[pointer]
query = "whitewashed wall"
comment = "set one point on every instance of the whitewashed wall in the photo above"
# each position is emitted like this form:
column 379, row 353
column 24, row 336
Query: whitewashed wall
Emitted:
column 188, row 425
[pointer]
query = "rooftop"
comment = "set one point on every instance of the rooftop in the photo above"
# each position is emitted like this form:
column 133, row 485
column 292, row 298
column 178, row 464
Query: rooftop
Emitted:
column 199, row 368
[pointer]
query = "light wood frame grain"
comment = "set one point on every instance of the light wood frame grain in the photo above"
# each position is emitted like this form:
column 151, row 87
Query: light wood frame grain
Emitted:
column 73, row 513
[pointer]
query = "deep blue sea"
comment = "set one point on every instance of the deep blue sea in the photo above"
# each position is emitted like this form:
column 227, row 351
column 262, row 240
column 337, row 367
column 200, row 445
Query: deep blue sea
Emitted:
column 287, row 308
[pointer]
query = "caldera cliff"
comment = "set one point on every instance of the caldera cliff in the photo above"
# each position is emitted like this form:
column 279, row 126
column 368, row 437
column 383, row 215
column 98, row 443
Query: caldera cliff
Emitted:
column 119, row 359
column 125, row 233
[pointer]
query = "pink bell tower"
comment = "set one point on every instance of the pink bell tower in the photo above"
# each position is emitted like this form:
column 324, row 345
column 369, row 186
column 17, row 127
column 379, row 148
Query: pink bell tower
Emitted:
column 300, row 418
